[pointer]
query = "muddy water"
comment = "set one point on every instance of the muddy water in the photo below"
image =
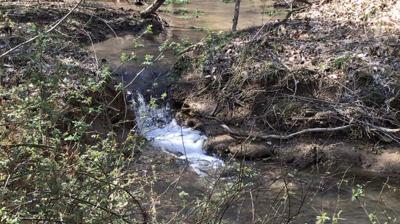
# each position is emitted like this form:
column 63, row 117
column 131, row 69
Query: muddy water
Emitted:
column 217, row 15
column 188, row 27
column 276, row 193
column 210, row 15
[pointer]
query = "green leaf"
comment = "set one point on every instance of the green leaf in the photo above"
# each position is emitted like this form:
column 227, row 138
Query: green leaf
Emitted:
column 183, row 195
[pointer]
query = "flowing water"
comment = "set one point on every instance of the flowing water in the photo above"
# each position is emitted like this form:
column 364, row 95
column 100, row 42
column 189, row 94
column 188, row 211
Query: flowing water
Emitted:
column 155, row 122
column 323, row 191
column 156, row 125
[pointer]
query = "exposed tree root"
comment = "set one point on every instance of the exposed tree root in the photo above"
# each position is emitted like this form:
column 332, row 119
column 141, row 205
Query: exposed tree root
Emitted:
column 286, row 137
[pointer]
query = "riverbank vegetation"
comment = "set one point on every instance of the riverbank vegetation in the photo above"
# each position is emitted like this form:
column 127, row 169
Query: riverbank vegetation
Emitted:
column 65, row 133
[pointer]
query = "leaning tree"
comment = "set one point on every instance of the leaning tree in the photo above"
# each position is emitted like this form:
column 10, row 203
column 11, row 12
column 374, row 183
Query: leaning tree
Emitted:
column 152, row 8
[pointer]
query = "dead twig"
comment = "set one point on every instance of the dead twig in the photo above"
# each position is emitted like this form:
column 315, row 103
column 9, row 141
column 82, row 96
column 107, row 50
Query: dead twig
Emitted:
column 387, row 130
column 93, row 48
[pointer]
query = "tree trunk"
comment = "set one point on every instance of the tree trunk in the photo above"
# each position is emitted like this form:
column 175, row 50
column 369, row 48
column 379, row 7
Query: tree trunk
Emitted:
column 236, row 15
column 152, row 8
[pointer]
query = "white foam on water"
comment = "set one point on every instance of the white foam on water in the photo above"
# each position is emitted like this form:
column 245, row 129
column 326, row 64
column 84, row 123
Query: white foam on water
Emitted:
column 156, row 125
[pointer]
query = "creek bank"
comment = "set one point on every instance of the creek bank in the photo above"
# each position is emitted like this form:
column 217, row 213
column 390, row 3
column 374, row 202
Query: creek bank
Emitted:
column 89, row 23
column 65, row 56
column 328, row 74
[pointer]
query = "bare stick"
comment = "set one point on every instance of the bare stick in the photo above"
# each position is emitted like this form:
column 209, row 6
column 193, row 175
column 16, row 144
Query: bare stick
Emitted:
column 55, row 25
column 27, row 145
column 93, row 48
column 388, row 130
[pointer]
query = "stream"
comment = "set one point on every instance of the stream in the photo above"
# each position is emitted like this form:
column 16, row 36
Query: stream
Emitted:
column 327, row 191
column 156, row 124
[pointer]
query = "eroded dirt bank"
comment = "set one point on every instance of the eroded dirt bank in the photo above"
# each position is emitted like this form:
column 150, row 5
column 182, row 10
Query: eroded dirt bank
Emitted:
column 309, row 90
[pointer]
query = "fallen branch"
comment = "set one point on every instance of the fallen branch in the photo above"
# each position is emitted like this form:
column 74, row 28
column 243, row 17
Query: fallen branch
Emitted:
column 55, row 25
column 191, row 47
column 152, row 8
column 286, row 137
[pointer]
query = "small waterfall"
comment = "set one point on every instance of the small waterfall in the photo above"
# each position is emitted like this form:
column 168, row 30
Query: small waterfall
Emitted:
column 157, row 126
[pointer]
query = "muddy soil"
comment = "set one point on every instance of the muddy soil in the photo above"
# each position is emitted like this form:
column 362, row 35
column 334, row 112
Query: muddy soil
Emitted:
column 311, row 90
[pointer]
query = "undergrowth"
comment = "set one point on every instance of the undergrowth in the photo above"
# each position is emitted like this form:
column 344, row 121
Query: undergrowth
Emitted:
column 63, row 157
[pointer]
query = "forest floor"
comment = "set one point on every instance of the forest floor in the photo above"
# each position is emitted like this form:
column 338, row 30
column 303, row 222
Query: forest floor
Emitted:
column 322, row 87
